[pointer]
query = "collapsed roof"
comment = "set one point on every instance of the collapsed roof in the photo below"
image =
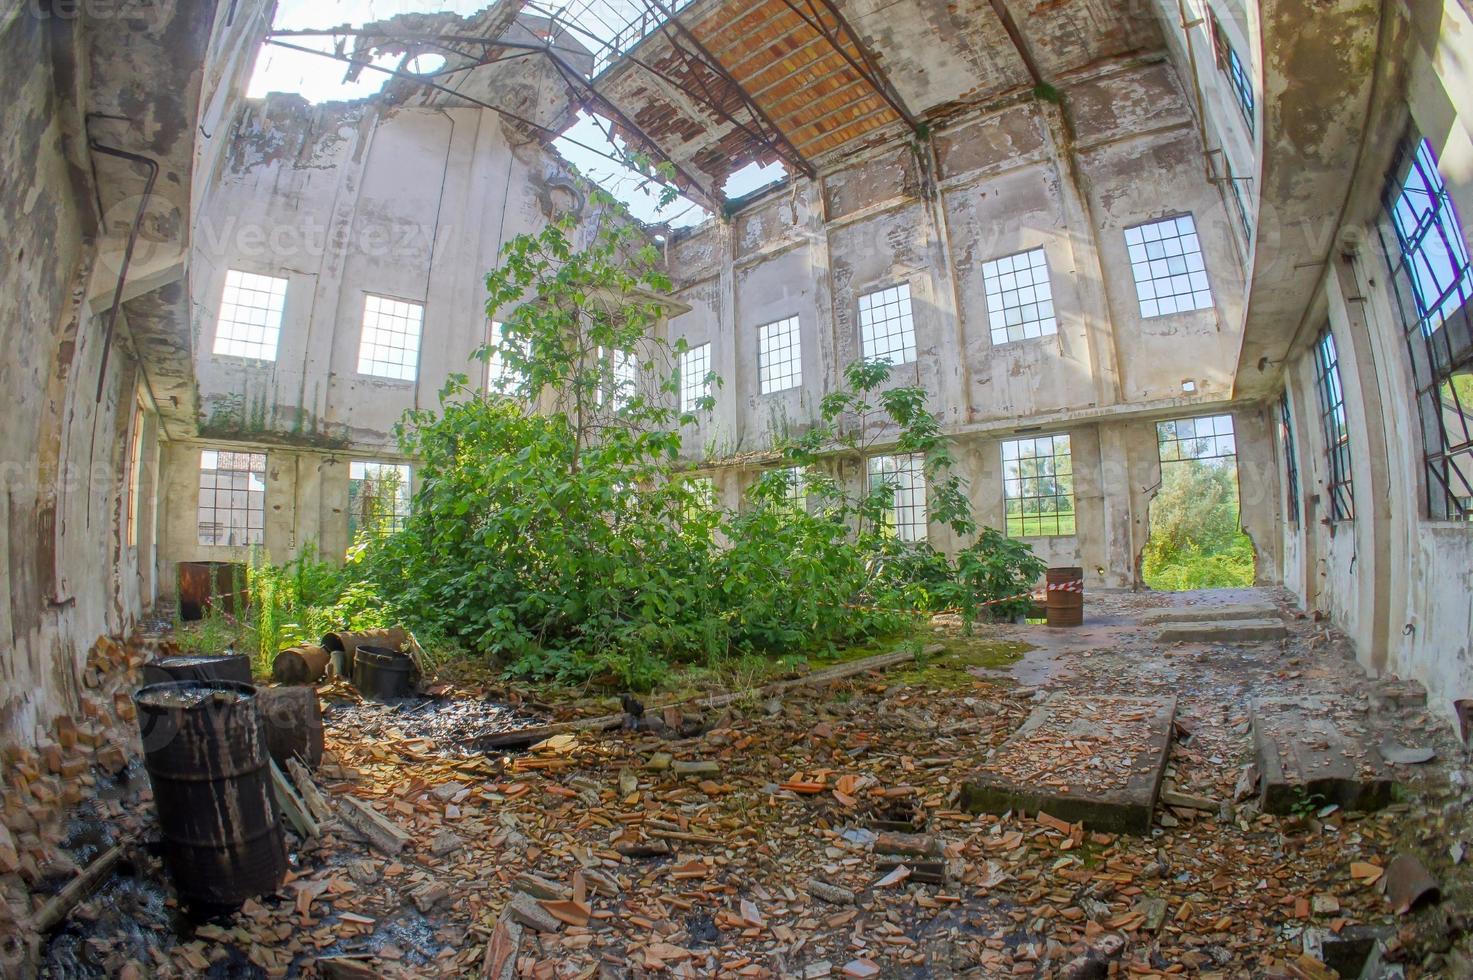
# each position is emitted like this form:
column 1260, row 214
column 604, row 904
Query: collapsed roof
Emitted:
column 713, row 86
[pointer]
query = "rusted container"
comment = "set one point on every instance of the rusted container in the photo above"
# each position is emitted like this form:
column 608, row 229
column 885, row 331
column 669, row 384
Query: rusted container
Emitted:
column 382, row 674
column 1064, row 605
column 198, row 667
column 341, row 644
column 210, row 584
column 293, row 718
column 305, row 664
column 204, row 746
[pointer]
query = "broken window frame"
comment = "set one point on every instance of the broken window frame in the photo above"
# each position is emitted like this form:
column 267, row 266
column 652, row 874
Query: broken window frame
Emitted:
column 373, row 366
column 1020, row 488
column 1232, row 67
column 896, row 319
column 779, row 355
column 135, row 475
column 1436, row 320
column 998, row 284
column 398, row 512
column 1291, row 459
column 237, row 332
column 245, row 465
column 1335, row 426
column 906, row 516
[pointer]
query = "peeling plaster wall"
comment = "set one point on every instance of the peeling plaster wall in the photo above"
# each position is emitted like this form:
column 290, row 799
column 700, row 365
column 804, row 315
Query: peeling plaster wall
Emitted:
column 1000, row 181
column 67, row 574
column 1400, row 584
column 344, row 201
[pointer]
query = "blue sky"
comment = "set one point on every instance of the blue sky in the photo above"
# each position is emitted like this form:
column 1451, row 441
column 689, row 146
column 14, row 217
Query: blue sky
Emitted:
column 320, row 79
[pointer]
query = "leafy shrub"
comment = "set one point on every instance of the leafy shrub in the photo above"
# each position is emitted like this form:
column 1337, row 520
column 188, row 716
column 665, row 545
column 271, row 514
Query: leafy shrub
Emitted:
column 553, row 530
column 1196, row 542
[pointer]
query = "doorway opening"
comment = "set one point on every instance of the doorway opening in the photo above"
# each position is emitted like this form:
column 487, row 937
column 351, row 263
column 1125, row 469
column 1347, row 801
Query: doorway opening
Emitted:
column 1196, row 540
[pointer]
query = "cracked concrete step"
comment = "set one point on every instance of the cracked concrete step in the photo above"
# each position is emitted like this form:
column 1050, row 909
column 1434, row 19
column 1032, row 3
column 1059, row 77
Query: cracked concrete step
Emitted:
column 1212, row 613
column 1306, row 761
column 1224, row 631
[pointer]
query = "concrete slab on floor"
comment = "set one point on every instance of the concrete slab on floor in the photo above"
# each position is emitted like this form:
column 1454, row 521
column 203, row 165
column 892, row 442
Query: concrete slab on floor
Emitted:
column 1224, row 631
column 1212, row 613
column 1099, row 759
column 1305, row 760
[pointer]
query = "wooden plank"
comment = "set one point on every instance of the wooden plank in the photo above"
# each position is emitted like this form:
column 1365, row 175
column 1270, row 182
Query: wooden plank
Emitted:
column 60, row 905
column 383, row 833
column 291, row 804
column 311, row 796
column 883, row 661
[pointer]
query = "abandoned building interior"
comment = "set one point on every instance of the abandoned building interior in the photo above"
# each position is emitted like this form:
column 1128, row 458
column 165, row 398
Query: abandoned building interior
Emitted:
column 1105, row 238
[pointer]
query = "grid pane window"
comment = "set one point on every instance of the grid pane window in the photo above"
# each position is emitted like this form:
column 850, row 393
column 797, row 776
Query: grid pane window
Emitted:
column 1020, row 302
column 497, row 372
column 390, row 346
column 250, row 316
column 1336, row 426
column 1433, row 287
column 695, row 364
column 1291, row 461
column 797, row 493
column 232, row 498
column 1038, row 486
column 779, row 356
column 378, row 498
column 1239, row 188
column 1166, row 260
column 886, row 327
column 1209, row 438
column 623, row 379
column 1237, row 74
column 906, row 475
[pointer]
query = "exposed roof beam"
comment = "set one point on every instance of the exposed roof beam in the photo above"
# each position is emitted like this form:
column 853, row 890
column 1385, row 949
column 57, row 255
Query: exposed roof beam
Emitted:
column 861, row 60
column 772, row 136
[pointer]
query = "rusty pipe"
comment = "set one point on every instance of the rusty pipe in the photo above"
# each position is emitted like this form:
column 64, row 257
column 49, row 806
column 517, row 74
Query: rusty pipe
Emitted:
column 112, row 313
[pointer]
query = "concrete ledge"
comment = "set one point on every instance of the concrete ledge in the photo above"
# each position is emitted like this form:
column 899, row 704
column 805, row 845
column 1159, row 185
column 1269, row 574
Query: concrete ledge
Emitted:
column 1109, row 779
column 1211, row 614
column 1228, row 631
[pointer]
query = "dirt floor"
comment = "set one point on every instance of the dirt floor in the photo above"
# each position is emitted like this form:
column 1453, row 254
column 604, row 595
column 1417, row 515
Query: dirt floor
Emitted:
column 816, row 834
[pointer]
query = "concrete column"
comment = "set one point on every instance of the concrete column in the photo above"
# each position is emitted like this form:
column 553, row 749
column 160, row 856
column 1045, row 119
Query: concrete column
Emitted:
column 953, row 402
column 1084, row 248
column 1369, row 439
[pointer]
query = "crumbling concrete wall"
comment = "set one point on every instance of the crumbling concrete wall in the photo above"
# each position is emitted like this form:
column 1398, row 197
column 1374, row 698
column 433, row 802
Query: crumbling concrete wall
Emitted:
column 992, row 183
column 81, row 400
column 344, row 200
column 1331, row 111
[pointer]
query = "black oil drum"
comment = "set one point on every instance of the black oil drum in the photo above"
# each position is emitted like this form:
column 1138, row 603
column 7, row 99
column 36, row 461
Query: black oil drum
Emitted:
column 380, row 673
column 204, row 746
column 198, row 667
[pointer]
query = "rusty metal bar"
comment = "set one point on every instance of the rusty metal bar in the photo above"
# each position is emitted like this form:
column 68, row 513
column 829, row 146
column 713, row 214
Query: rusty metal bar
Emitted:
column 758, row 113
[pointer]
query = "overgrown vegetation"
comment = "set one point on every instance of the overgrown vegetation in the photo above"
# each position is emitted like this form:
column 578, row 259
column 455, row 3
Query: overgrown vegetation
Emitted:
column 556, row 527
column 1196, row 542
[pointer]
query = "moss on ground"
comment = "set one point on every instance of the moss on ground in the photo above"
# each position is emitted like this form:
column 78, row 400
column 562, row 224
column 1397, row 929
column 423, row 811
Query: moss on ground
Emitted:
column 954, row 666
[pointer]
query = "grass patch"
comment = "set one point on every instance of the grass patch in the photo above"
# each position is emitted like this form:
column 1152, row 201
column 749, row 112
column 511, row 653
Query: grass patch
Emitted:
column 1041, row 525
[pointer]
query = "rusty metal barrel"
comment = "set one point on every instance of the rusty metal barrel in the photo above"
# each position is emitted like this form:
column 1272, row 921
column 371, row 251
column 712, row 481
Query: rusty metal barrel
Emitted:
column 210, row 584
column 204, row 746
column 381, row 674
column 198, row 667
column 293, row 717
column 1064, row 605
column 304, row 664
column 343, row 644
